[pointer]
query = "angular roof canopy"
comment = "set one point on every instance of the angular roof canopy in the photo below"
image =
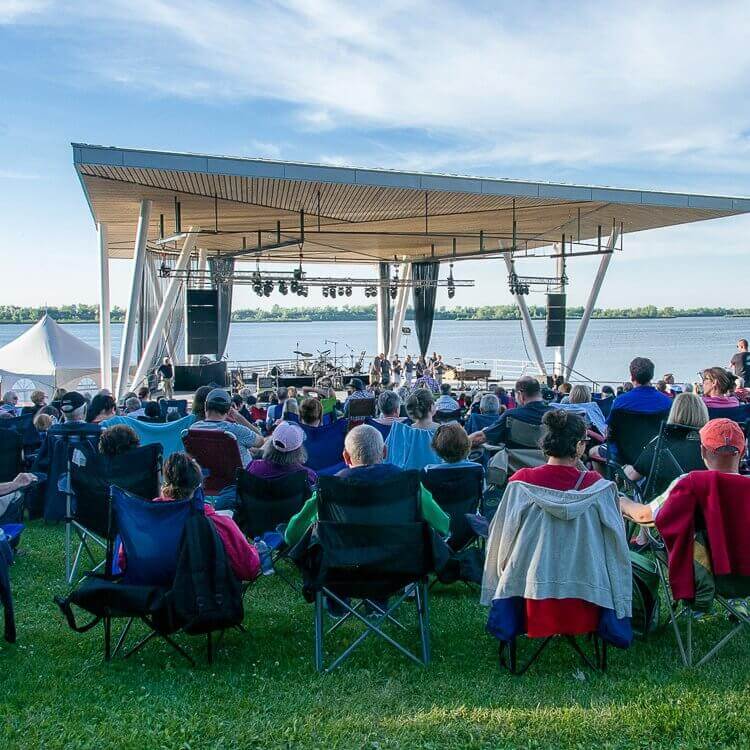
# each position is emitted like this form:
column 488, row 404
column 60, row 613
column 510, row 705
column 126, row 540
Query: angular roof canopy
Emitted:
column 359, row 215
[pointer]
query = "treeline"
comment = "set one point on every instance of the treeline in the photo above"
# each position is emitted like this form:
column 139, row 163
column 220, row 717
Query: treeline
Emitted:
column 90, row 313
column 64, row 314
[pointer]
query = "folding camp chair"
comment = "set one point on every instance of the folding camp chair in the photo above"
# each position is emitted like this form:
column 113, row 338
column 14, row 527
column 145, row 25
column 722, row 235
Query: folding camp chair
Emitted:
column 458, row 491
column 665, row 467
column 218, row 453
column 521, row 450
column 265, row 504
column 369, row 543
column 630, row 432
column 24, row 426
column 150, row 534
column 138, row 471
column 709, row 589
column 358, row 409
column 383, row 429
column 325, row 446
column 168, row 405
column 11, row 455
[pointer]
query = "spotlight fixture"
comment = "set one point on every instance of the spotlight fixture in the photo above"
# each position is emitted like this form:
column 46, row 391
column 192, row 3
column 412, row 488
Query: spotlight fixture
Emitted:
column 294, row 286
column 283, row 289
column 325, row 291
column 341, row 291
column 451, row 284
column 267, row 288
column 393, row 291
column 332, row 292
column 164, row 270
column 348, row 291
column 298, row 274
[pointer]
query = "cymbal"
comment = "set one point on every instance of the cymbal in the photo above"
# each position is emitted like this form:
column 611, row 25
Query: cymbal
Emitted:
column 302, row 354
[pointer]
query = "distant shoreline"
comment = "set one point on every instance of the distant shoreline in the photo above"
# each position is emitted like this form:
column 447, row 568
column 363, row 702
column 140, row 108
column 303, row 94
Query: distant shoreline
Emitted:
column 372, row 320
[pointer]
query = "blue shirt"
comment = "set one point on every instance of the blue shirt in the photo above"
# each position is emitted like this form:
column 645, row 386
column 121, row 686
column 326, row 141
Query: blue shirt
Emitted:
column 531, row 413
column 643, row 399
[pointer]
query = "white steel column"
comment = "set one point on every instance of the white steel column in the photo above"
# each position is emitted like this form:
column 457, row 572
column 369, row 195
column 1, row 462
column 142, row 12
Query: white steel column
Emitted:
column 399, row 314
column 151, row 270
column 383, row 309
column 157, row 330
column 521, row 302
column 202, row 264
column 105, row 329
column 131, row 314
column 591, row 301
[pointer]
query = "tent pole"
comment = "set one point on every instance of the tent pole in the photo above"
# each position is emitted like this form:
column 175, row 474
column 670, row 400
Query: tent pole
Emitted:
column 521, row 302
column 591, row 301
column 157, row 330
column 157, row 299
column 131, row 314
column 105, row 328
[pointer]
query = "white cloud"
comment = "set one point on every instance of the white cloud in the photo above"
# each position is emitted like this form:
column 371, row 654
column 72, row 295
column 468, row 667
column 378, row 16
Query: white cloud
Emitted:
column 537, row 84
column 13, row 11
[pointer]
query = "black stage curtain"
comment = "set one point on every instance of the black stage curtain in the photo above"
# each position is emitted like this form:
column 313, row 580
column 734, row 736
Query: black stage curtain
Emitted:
column 222, row 270
column 424, row 301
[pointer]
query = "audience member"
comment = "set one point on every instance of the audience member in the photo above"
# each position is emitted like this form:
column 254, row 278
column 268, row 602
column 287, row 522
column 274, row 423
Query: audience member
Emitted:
column 446, row 402
column 118, row 439
column 276, row 410
column 311, row 412
column 199, row 402
column 133, row 407
column 389, row 406
column 38, row 400
column 364, row 453
column 531, row 409
column 356, row 390
column 410, row 446
column 218, row 408
column 151, row 413
column 579, row 400
column 283, row 453
column 451, row 443
column 144, row 394
column 718, row 384
column 101, row 408
column 9, row 404
column 641, row 397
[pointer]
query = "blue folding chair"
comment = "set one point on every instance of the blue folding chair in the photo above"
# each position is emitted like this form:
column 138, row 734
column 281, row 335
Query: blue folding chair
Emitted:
column 325, row 446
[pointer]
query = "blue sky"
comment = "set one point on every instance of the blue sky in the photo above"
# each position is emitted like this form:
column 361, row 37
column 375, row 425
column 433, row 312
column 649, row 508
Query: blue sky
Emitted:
column 602, row 93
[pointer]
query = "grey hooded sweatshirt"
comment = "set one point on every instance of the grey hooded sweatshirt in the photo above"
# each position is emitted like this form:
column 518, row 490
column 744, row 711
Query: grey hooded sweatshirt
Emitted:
column 550, row 544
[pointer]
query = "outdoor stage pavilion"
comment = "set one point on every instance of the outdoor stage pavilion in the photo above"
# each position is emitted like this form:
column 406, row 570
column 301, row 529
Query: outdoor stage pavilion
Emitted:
column 188, row 219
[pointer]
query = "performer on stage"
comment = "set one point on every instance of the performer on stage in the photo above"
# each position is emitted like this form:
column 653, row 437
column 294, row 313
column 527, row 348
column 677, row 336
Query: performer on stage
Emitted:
column 166, row 372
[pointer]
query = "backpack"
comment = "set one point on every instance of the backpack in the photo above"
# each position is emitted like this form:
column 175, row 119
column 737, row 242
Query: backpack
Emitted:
column 645, row 594
column 205, row 595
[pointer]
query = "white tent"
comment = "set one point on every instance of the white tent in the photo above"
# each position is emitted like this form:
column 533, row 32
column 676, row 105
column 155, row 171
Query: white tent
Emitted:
column 47, row 357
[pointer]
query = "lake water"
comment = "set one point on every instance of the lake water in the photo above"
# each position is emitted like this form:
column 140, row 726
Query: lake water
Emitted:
column 679, row 345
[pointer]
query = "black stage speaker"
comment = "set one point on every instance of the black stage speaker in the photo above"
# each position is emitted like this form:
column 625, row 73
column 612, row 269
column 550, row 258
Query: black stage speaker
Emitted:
column 202, row 321
column 555, row 320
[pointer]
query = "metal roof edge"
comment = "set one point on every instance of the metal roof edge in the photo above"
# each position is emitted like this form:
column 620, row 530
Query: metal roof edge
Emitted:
column 254, row 167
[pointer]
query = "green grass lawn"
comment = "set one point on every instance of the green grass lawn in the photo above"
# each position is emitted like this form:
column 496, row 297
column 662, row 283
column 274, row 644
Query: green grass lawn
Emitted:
column 262, row 690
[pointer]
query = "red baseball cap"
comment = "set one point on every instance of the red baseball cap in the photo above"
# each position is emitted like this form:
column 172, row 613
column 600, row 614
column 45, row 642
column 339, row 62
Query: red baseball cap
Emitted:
column 722, row 436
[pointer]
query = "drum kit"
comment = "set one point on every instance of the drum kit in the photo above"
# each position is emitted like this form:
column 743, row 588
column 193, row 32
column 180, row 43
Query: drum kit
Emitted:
column 326, row 370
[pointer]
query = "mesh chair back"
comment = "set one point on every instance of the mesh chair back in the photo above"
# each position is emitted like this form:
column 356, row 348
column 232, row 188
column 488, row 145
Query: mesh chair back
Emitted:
column 383, row 429
column 604, row 404
column 479, row 421
column 24, row 426
column 150, row 533
column 631, row 431
column 325, row 445
column 447, row 416
column 11, row 450
column 218, row 452
column 522, row 434
column 263, row 504
column 136, row 471
column 457, row 491
column 60, row 446
column 169, row 405
column 739, row 414
column 359, row 408
column 394, row 499
column 669, row 463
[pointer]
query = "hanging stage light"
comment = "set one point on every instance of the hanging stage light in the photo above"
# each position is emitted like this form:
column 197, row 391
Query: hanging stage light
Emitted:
column 332, row 292
column 451, row 284
column 393, row 291
column 294, row 286
column 341, row 291
column 348, row 291
column 267, row 288
column 283, row 287
column 325, row 291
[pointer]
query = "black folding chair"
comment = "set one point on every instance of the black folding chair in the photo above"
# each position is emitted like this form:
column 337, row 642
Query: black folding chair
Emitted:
column 265, row 504
column 665, row 466
column 11, row 454
column 629, row 432
column 458, row 491
column 370, row 543
column 137, row 471
column 358, row 409
column 151, row 535
column 443, row 417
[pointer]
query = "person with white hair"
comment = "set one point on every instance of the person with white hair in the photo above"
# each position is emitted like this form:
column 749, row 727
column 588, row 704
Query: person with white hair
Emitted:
column 9, row 404
column 389, row 405
column 364, row 452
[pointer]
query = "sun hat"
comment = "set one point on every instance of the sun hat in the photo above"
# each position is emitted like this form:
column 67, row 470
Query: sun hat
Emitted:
column 287, row 437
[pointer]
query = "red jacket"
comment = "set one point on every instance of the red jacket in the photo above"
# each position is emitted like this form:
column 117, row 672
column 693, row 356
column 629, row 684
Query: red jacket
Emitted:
column 720, row 502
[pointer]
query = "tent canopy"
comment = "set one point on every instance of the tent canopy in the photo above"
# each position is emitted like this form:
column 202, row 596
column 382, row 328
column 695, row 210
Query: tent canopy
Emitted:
column 48, row 357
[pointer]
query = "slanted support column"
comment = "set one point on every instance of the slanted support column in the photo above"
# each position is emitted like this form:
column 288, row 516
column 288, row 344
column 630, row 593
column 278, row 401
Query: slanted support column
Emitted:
column 131, row 314
column 399, row 314
column 157, row 331
column 521, row 302
column 383, row 309
column 105, row 328
column 157, row 300
column 591, row 301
